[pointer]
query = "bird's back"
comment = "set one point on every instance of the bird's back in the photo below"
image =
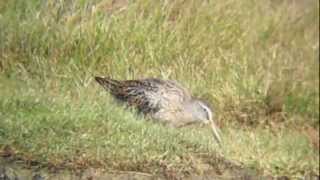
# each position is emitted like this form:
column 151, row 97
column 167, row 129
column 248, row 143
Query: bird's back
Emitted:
column 148, row 95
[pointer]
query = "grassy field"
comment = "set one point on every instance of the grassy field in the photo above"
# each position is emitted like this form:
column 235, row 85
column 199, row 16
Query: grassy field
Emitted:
column 255, row 62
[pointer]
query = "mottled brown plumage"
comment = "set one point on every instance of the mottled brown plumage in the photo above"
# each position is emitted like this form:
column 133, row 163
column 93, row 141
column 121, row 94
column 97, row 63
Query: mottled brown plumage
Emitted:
column 163, row 100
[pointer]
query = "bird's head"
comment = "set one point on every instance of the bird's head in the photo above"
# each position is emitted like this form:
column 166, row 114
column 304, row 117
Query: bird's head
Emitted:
column 203, row 113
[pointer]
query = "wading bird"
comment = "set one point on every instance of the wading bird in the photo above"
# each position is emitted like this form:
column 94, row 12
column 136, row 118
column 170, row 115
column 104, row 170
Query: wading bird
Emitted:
column 163, row 100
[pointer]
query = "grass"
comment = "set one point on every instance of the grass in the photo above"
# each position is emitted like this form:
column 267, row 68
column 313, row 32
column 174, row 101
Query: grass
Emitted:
column 256, row 62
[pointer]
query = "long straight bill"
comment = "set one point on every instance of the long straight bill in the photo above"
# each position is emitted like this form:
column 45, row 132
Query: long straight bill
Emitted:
column 215, row 131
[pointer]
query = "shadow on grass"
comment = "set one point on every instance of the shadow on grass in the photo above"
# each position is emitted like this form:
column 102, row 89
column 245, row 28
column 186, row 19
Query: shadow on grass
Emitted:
column 12, row 167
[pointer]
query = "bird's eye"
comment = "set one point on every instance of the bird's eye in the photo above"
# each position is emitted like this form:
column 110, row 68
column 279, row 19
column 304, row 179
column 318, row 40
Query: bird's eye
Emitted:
column 206, row 111
column 207, row 115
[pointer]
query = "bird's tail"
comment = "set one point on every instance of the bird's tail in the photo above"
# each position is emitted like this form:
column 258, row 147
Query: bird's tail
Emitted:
column 107, row 83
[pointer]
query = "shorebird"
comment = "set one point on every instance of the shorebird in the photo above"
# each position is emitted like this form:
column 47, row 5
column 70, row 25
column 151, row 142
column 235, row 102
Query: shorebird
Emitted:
column 163, row 100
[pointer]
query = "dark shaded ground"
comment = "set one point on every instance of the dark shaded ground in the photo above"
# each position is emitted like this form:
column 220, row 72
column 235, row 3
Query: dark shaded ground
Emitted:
column 11, row 169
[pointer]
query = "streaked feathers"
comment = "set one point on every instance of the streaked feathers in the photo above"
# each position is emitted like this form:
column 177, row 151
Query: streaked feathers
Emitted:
column 163, row 100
